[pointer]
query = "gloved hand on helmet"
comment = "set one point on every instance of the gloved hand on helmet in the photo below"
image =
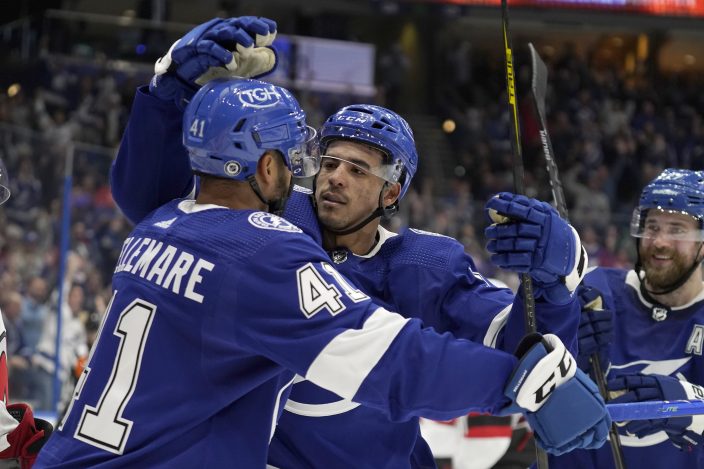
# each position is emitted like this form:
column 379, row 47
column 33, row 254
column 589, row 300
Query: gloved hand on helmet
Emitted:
column 218, row 48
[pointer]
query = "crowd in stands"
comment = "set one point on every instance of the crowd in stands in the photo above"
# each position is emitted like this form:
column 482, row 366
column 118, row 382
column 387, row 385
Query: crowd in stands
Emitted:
column 610, row 133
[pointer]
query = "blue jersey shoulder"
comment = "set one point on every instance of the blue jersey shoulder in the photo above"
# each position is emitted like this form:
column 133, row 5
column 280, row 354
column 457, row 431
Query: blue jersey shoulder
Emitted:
column 423, row 249
column 300, row 210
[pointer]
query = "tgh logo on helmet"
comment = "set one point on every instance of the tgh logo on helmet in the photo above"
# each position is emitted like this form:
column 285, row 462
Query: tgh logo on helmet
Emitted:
column 259, row 97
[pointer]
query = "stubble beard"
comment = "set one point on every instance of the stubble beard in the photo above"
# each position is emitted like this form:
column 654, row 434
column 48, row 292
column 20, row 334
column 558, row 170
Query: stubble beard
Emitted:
column 329, row 219
column 661, row 278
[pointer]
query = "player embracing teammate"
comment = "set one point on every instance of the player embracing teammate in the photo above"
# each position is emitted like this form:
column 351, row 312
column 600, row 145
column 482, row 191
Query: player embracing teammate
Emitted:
column 268, row 303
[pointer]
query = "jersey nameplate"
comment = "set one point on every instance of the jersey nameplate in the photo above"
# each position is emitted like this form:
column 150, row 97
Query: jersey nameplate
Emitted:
column 165, row 265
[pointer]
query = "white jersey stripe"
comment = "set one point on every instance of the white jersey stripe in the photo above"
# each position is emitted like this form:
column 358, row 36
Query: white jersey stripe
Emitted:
column 498, row 323
column 347, row 359
column 320, row 410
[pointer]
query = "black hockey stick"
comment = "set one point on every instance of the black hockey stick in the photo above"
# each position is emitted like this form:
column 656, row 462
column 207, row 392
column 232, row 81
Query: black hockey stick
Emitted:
column 519, row 186
column 518, row 183
column 539, row 83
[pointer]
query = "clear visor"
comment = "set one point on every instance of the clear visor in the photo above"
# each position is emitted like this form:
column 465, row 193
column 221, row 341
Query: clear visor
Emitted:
column 305, row 158
column 388, row 172
column 653, row 223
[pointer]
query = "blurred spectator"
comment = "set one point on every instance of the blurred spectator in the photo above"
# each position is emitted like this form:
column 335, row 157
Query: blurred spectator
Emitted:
column 74, row 348
column 592, row 207
column 394, row 65
column 23, row 207
column 17, row 359
column 34, row 311
column 11, row 315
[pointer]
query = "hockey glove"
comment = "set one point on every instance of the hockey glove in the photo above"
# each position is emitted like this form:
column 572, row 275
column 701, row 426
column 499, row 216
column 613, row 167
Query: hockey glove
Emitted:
column 595, row 329
column 219, row 48
column 547, row 386
column 27, row 438
column 528, row 236
column 684, row 432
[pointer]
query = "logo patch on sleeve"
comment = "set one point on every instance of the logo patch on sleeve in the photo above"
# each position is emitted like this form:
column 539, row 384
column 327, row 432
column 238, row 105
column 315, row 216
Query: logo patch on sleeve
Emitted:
column 165, row 224
column 269, row 221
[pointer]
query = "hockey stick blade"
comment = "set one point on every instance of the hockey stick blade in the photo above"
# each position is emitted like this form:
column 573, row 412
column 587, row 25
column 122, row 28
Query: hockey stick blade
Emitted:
column 654, row 410
column 539, row 85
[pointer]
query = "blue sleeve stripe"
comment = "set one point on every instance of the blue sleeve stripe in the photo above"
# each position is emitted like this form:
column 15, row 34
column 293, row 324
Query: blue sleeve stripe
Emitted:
column 346, row 360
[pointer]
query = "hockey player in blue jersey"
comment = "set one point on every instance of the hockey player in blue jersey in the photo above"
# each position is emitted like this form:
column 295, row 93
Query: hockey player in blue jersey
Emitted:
column 453, row 296
column 647, row 324
column 218, row 304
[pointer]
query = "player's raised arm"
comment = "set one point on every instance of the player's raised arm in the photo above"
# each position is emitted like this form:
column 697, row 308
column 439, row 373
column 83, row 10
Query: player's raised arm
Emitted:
column 152, row 165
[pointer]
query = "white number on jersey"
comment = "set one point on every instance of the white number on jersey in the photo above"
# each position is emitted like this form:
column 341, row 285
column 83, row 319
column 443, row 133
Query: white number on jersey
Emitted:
column 103, row 425
column 353, row 293
column 315, row 294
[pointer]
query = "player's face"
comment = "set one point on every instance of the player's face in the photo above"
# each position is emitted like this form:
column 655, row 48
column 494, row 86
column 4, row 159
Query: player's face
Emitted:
column 346, row 190
column 666, row 253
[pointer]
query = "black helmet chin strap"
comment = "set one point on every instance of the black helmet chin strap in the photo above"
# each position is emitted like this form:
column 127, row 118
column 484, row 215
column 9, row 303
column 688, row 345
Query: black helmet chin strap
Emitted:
column 647, row 294
column 380, row 211
column 275, row 206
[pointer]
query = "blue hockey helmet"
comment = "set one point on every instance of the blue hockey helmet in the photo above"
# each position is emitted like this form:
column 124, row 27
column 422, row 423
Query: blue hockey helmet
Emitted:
column 678, row 191
column 230, row 123
column 382, row 129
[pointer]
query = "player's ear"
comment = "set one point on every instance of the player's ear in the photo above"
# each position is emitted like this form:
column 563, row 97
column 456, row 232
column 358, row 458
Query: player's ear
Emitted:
column 391, row 193
column 265, row 166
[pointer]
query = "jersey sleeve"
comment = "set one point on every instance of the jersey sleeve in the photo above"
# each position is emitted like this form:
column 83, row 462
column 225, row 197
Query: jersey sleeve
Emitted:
column 310, row 319
column 452, row 296
column 152, row 165
column 456, row 298
column 300, row 211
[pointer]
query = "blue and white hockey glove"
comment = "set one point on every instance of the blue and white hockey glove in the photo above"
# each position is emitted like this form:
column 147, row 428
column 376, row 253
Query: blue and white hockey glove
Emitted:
column 528, row 236
column 561, row 403
column 684, row 432
column 596, row 329
column 219, row 48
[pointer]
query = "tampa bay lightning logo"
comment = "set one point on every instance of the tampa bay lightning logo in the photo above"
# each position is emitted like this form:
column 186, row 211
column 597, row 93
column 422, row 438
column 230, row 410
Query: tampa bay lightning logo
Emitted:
column 269, row 221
